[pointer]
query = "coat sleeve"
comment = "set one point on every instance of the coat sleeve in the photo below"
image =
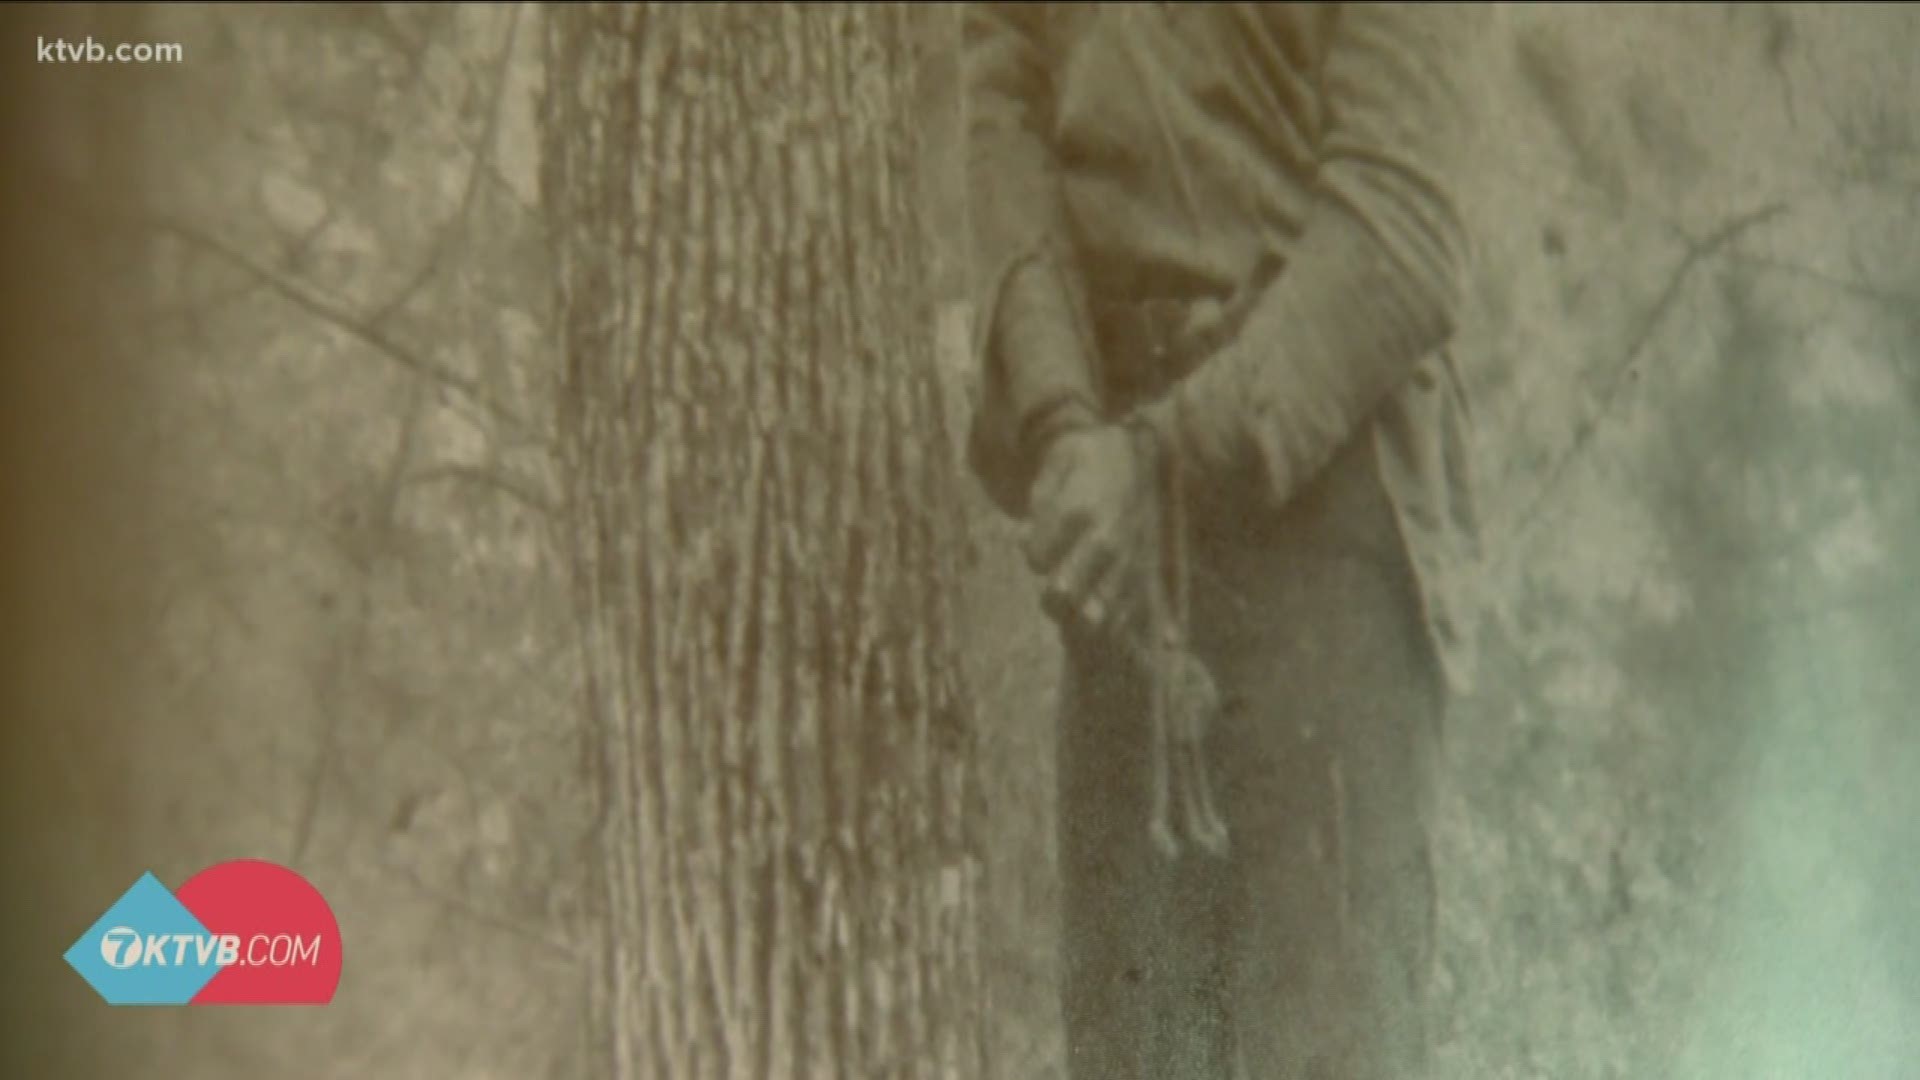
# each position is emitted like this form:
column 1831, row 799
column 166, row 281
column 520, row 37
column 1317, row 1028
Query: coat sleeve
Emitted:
column 1032, row 338
column 1373, row 284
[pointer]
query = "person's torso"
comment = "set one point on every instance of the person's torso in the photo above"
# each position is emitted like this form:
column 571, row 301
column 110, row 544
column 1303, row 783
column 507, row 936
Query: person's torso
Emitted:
column 1188, row 136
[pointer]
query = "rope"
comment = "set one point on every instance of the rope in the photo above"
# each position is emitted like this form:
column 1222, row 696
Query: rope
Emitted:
column 1183, row 698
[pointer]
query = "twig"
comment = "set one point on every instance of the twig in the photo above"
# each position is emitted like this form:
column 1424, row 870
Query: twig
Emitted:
column 410, row 883
column 208, row 303
column 513, row 488
column 335, row 314
column 350, row 655
column 1900, row 300
column 482, row 155
column 1698, row 251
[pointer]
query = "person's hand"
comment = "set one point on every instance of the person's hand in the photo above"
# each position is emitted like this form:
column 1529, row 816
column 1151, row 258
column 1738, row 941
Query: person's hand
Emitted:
column 1090, row 524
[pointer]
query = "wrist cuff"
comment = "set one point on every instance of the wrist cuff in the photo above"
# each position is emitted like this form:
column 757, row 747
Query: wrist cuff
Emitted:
column 1070, row 412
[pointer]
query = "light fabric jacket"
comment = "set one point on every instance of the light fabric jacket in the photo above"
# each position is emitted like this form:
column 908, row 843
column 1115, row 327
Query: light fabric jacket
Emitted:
column 1284, row 173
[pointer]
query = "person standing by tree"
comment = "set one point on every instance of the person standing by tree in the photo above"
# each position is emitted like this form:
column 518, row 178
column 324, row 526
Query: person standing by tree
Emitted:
column 1219, row 267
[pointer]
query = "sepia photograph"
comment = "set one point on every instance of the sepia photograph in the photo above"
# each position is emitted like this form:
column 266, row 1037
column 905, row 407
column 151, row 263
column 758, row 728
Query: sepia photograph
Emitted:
column 961, row 541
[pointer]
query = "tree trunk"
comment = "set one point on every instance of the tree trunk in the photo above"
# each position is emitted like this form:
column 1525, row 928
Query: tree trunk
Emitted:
column 765, row 511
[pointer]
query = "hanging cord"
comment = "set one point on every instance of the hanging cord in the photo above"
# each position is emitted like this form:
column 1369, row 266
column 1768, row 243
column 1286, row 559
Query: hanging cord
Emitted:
column 1183, row 698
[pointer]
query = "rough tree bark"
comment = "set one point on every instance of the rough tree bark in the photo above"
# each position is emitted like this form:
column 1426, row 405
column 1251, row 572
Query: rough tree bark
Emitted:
column 767, row 530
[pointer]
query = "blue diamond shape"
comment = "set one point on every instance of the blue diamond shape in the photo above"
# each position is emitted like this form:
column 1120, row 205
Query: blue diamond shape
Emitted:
column 148, row 949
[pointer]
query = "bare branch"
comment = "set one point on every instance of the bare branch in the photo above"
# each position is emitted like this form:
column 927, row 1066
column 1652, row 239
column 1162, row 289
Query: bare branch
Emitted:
column 1900, row 300
column 493, row 176
column 331, row 312
column 1627, row 369
column 409, row 882
column 519, row 490
column 211, row 301
column 477, row 169
column 350, row 655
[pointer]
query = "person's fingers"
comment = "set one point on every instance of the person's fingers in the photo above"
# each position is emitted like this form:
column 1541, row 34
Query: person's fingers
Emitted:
column 1083, row 566
column 1047, row 484
column 1126, row 611
column 1053, row 531
column 1110, row 596
column 1058, row 607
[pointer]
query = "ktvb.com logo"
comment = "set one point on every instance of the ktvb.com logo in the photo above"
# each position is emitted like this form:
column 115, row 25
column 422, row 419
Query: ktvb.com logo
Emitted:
column 122, row 947
column 247, row 932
